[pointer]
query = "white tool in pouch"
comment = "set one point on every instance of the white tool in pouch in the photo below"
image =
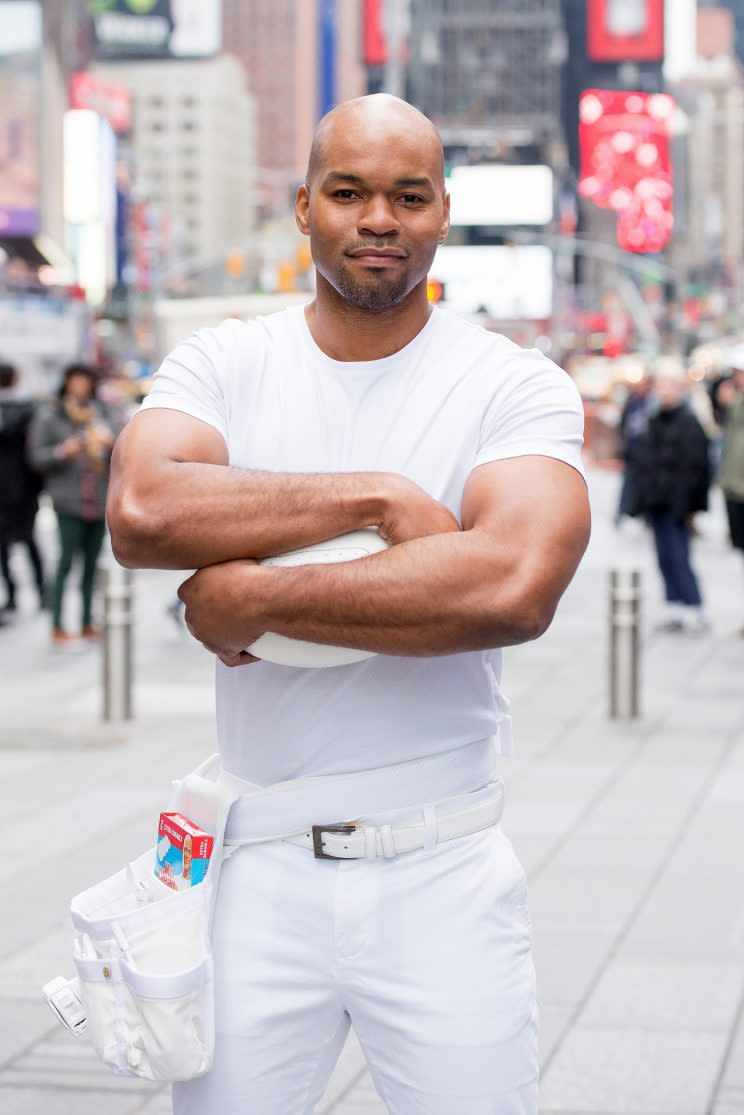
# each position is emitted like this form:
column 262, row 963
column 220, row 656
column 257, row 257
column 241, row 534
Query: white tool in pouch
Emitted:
column 284, row 651
column 63, row 997
column 144, row 988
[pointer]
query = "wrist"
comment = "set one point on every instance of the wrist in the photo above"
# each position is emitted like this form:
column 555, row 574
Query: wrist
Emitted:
column 379, row 500
column 271, row 591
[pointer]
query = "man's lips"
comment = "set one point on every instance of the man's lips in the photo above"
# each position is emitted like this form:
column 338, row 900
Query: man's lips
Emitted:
column 377, row 253
column 378, row 258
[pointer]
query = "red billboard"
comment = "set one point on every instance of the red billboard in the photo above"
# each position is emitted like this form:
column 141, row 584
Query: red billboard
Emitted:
column 626, row 162
column 113, row 102
column 374, row 48
column 625, row 30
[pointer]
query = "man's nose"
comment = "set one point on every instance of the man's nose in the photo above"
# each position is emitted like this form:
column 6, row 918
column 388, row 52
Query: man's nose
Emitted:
column 378, row 218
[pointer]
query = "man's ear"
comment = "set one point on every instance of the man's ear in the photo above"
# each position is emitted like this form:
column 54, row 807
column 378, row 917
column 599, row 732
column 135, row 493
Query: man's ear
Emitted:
column 446, row 219
column 302, row 204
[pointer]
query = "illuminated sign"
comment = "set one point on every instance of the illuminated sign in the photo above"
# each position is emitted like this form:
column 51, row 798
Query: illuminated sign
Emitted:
column 507, row 283
column 496, row 194
column 626, row 162
column 374, row 48
column 20, row 93
column 625, row 30
column 113, row 102
column 156, row 28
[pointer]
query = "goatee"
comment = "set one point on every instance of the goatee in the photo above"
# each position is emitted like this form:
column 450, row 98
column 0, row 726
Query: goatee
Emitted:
column 375, row 294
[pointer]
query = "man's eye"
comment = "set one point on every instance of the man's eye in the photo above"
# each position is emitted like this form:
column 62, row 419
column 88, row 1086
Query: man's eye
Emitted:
column 345, row 195
column 411, row 199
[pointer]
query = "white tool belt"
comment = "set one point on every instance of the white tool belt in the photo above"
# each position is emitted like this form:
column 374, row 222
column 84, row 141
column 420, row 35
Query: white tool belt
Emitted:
column 143, row 952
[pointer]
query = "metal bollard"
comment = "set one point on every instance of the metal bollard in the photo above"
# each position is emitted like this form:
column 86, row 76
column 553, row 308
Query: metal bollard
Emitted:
column 625, row 614
column 117, row 644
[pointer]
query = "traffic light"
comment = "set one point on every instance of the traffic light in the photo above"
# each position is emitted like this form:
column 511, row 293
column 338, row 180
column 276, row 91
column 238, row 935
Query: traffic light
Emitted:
column 434, row 290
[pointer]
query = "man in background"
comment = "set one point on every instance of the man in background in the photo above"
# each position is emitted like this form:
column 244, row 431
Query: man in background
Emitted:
column 19, row 487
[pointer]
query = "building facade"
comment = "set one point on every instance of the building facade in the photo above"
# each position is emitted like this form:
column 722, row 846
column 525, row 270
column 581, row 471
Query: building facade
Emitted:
column 488, row 74
column 193, row 154
column 712, row 96
column 299, row 58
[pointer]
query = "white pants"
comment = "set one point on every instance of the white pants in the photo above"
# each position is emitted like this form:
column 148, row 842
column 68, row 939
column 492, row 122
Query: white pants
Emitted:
column 427, row 955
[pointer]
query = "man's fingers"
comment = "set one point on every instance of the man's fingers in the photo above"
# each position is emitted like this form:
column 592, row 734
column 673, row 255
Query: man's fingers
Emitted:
column 241, row 659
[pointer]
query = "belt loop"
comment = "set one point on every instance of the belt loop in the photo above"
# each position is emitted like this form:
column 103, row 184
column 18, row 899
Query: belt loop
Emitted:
column 388, row 844
column 370, row 842
column 430, row 827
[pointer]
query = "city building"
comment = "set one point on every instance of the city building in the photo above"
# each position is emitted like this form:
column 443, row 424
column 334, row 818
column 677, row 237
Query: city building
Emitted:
column 488, row 75
column 300, row 57
column 192, row 150
column 711, row 254
column 736, row 7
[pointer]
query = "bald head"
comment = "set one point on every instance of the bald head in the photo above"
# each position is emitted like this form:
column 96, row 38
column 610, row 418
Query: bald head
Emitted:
column 377, row 118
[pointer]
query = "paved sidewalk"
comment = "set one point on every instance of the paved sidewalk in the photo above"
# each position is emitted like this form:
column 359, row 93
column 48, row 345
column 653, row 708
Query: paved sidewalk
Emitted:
column 632, row 837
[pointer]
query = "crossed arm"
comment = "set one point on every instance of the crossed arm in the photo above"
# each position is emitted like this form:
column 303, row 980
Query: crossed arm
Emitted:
column 440, row 588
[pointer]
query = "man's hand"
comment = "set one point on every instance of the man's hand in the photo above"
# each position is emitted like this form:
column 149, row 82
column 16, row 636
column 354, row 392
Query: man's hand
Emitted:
column 219, row 612
column 410, row 513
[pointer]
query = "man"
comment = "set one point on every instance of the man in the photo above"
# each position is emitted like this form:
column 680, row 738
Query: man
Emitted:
column 670, row 482
column 633, row 421
column 19, row 487
column 366, row 408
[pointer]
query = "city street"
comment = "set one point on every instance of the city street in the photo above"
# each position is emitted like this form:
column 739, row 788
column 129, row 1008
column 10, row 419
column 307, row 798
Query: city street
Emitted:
column 631, row 833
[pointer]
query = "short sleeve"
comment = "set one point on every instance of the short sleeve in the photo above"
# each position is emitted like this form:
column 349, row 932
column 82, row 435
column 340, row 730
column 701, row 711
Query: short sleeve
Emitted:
column 536, row 411
column 192, row 378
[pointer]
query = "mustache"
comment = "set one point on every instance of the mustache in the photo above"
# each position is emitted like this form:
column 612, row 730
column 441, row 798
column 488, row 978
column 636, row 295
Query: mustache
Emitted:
column 380, row 245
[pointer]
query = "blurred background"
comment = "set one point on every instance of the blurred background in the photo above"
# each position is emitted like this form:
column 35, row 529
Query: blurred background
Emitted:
column 150, row 154
column 150, row 151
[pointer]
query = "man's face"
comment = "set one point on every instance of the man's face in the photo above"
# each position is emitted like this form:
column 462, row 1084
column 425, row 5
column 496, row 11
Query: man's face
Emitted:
column 670, row 391
column 375, row 212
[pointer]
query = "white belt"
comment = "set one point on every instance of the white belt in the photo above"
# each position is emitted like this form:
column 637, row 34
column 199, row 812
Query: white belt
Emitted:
column 359, row 841
column 284, row 809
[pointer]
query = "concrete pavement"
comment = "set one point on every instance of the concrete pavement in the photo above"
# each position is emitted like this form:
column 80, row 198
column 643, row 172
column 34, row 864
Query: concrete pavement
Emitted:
column 631, row 836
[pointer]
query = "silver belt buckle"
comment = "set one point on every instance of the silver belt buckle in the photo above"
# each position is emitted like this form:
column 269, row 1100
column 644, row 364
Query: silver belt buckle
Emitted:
column 318, row 831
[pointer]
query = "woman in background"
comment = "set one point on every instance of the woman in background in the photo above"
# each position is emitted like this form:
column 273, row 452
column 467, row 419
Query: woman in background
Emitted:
column 70, row 442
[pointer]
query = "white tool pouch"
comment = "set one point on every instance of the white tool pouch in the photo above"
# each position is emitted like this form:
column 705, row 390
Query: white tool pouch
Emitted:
column 143, row 953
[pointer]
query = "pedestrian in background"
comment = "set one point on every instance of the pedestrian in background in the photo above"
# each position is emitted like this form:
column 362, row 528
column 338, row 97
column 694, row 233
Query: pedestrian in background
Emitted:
column 70, row 442
column 19, row 486
column 731, row 477
column 633, row 422
column 671, row 477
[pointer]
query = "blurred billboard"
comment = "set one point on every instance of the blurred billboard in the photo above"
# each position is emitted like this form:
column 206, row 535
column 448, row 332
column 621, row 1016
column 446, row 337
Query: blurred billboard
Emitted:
column 156, row 28
column 625, row 30
column 20, row 94
column 496, row 194
column 374, row 46
column 626, row 162
column 507, row 283
column 113, row 102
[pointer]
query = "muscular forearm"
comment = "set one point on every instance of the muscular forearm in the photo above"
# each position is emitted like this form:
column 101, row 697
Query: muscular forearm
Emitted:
column 193, row 515
column 447, row 593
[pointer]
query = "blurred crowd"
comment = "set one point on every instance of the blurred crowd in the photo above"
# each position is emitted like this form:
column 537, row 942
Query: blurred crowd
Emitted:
column 677, row 438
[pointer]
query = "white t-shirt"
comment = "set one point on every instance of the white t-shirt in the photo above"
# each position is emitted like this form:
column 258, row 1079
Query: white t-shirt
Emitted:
column 457, row 396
